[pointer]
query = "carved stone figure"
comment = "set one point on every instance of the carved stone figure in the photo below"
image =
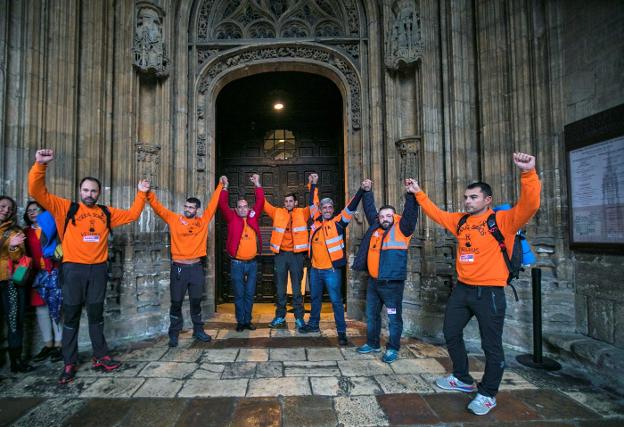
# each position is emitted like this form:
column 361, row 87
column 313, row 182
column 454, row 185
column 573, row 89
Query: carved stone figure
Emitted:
column 405, row 43
column 150, row 51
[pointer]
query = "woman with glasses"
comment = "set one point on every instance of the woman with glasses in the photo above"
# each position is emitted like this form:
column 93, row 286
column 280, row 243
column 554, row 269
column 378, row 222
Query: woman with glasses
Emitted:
column 45, row 294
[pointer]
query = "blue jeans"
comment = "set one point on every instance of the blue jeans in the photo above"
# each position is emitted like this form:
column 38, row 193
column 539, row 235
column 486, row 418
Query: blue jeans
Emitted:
column 332, row 279
column 243, row 275
column 390, row 294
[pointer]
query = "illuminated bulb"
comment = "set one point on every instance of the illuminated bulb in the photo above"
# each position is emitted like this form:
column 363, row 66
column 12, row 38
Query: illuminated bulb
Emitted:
column 278, row 106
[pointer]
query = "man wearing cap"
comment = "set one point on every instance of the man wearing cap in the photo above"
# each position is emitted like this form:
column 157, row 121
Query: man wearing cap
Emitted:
column 328, row 255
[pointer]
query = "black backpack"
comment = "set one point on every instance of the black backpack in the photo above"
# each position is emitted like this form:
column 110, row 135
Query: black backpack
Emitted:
column 514, row 264
column 71, row 214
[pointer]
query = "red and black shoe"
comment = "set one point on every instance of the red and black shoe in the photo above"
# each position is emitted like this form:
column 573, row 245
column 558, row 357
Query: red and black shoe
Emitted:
column 105, row 364
column 69, row 372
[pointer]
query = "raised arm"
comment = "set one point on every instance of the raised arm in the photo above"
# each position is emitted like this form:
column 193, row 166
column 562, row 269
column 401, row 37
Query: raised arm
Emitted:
column 313, row 198
column 368, row 201
column 121, row 216
column 447, row 220
column 57, row 206
column 259, row 192
column 159, row 209
column 407, row 224
column 224, row 203
column 214, row 202
column 529, row 201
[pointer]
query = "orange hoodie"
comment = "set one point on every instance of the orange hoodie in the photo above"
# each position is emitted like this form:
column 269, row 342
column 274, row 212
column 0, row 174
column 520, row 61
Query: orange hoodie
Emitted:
column 87, row 241
column 481, row 261
column 188, row 235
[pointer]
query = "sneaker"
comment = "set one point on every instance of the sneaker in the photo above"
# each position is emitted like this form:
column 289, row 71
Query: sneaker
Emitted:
column 299, row 323
column 173, row 341
column 56, row 355
column 105, row 364
column 365, row 349
column 278, row 322
column 68, row 374
column 43, row 354
column 342, row 339
column 452, row 383
column 250, row 326
column 306, row 329
column 481, row 404
column 240, row 327
column 200, row 335
column 390, row 356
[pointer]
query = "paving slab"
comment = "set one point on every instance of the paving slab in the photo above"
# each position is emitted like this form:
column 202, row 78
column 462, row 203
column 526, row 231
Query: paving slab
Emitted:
column 52, row 412
column 220, row 355
column 287, row 354
column 311, row 369
column 424, row 351
column 603, row 403
column 285, row 386
column 417, row 366
column 208, row 370
column 407, row 409
column 225, row 334
column 284, row 333
column 159, row 387
column 344, row 386
column 359, row 411
column 308, row 411
column 327, row 353
column 269, row 369
column 214, row 388
column 148, row 354
column 177, row 370
column 47, row 387
column 551, row 404
column 253, row 355
column 260, row 412
column 103, row 412
column 113, row 387
column 239, row 370
column 182, row 355
column 349, row 353
column 359, row 368
column 161, row 412
column 13, row 408
column 128, row 369
column 451, row 407
column 207, row 412
column 405, row 383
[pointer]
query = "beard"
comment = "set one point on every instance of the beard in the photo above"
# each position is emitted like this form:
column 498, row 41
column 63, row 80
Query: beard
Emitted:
column 89, row 201
column 386, row 225
column 189, row 215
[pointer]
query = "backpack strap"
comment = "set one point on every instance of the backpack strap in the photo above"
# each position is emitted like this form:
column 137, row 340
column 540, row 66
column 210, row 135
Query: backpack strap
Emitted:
column 498, row 235
column 461, row 222
column 71, row 216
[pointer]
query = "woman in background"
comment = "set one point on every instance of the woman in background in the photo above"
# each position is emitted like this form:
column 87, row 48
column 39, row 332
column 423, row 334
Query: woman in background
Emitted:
column 45, row 295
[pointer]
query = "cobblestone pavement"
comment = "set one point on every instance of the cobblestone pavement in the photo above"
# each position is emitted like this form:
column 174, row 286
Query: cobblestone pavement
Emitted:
column 281, row 378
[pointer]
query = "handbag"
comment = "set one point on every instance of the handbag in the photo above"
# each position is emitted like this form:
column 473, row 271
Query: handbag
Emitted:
column 22, row 271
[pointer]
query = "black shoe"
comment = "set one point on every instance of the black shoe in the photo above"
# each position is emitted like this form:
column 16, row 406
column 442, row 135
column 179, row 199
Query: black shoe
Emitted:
column 56, row 355
column 342, row 339
column 240, row 327
column 173, row 341
column 308, row 329
column 20, row 366
column 200, row 335
column 250, row 326
column 43, row 354
column 69, row 372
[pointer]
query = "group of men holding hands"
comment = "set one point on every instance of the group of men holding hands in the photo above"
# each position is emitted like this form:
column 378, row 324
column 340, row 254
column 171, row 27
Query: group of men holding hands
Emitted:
column 315, row 231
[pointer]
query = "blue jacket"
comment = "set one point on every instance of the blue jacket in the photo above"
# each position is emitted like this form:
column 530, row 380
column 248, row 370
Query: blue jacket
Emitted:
column 49, row 238
column 392, row 262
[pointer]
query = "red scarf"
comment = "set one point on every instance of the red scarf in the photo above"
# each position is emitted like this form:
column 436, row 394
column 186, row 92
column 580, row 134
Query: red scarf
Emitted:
column 34, row 249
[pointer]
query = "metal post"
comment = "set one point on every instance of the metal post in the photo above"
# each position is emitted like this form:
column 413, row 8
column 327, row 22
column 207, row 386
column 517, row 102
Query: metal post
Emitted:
column 536, row 360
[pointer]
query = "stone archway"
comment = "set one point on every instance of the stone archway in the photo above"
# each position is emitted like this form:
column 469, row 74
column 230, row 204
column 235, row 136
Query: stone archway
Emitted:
column 231, row 40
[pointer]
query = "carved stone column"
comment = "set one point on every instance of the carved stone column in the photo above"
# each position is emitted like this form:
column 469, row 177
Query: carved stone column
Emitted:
column 404, row 44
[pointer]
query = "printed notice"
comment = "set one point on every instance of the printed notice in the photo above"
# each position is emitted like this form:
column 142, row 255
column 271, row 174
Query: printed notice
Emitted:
column 597, row 199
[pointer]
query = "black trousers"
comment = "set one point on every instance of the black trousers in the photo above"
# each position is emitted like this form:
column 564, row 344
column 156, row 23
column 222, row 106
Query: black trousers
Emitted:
column 488, row 304
column 83, row 284
column 13, row 298
column 186, row 277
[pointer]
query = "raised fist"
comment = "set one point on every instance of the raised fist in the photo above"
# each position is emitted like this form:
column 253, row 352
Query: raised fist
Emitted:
column 525, row 162
column 44, row 156
column 144, row 186
column 255, row 179
column 313, row 178
column 367, row 185
column 224, row 181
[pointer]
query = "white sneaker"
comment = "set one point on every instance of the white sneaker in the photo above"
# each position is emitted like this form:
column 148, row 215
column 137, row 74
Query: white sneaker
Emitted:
column 452, row 383
column 481, row 404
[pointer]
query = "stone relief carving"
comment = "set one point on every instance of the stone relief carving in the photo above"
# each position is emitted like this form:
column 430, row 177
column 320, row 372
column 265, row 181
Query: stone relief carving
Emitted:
column 405, row 44
column 409, row 152
column 150, row 50
column 304, row 52
column 148, row 159
column 203, row 54
column 251, row 19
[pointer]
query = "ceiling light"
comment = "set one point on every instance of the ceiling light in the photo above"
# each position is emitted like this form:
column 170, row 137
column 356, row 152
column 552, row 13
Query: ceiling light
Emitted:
column 278, row 106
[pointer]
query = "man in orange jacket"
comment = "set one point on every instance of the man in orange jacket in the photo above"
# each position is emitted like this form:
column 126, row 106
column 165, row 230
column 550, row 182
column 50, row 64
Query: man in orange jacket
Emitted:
column 84, row 229
column 482, row 275
column 289, row 243
column 188, row 232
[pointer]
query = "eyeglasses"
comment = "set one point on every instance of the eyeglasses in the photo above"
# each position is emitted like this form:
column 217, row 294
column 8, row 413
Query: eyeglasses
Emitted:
column 33, row 210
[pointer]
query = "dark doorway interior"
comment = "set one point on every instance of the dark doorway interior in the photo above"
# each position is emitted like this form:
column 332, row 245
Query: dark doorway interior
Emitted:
column 283, row 146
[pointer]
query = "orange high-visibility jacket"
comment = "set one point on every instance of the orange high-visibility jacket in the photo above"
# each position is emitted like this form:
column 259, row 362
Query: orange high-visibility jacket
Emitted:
column 281, row 217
